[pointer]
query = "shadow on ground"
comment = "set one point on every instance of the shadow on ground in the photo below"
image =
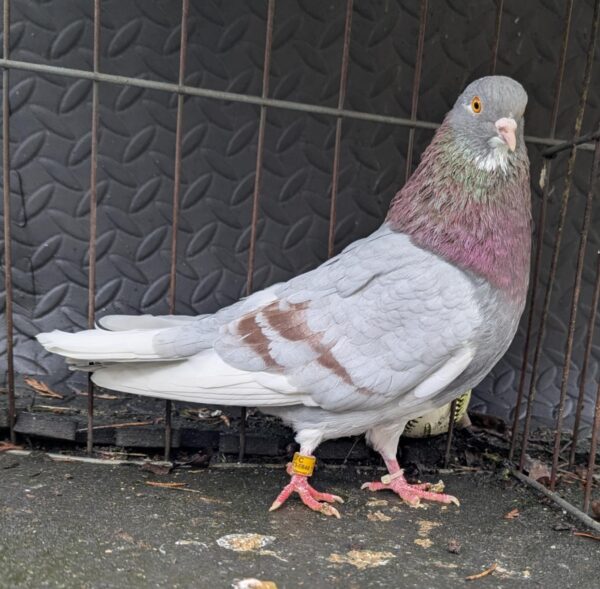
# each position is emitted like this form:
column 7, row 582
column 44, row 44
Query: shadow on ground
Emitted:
column 89, row 526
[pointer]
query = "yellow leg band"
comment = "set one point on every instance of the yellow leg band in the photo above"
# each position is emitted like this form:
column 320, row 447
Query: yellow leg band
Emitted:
column 303, row 465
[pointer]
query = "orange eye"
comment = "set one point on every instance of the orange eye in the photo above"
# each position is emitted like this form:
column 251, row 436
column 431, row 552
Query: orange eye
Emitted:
column 476, row 105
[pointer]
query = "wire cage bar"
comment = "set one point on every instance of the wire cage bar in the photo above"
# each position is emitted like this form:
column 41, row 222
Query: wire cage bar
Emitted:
column 8, row 286
column 340, row 113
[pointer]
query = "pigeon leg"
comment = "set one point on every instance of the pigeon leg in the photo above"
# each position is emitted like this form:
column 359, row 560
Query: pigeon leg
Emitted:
column 412, row 494
column 312, row 498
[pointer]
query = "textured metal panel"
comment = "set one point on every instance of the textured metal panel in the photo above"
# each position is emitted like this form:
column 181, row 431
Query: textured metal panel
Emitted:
column 50, row 153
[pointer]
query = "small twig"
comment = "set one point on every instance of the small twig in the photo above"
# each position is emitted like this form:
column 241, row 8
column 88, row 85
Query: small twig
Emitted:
column 358, row 438
column 485, row 573
column 120, row 425
column 54, row 409
column 7, row 446
column 105, row 397
column 182, row 487
column 166, row 485
column 586, row 535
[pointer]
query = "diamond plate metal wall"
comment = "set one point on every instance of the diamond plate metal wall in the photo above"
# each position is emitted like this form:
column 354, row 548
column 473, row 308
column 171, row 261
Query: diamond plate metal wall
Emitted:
column 51, row 141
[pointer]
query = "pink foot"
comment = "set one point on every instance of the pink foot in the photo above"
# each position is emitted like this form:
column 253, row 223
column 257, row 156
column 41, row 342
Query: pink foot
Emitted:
column 412, row 494
column 308, row 495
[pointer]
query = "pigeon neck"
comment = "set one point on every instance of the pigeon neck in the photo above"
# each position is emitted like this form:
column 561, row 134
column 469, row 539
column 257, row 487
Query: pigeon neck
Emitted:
column 475, row 218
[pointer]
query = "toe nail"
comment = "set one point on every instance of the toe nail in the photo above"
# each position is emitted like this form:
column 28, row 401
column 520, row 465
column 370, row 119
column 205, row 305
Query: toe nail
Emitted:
column 364, row 486
column 274, row 506
column 338, row 499
column 455, row 501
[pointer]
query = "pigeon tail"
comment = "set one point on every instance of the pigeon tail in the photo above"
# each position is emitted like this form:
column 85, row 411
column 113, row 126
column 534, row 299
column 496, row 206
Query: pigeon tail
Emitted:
column 98, row 345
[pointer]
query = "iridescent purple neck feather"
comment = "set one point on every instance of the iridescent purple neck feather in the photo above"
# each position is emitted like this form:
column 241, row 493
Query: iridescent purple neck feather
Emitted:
column 478, row 219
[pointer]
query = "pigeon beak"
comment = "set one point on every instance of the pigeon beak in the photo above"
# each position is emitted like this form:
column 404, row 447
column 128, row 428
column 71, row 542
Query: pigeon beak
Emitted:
column 506, row 130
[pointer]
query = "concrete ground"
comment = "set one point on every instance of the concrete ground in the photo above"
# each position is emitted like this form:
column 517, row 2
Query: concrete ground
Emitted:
column 73, row 525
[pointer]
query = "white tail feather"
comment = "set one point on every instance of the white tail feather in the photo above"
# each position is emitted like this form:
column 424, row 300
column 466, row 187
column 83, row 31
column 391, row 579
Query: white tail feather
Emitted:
column 203, row 378
column 128, row 322
column 104, row 346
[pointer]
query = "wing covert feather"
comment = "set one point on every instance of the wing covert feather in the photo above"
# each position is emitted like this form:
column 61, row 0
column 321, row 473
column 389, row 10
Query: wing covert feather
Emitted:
column 368, row 326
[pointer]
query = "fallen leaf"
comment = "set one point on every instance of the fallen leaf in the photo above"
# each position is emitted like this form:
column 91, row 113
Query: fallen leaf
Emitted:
column 159, row 468
column 424, row 542
column 512, row 514
column 362, row 559
column 42, row 388
column 378, row 516
column 485, row 573
column 538, row 471
column 165, row 485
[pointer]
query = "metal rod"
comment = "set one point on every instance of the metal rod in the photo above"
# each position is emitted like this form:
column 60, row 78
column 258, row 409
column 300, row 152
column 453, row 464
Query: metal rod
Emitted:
column 338, row 128
column 587, row 218
column 260, row 147
column 496, row 42
column 416, row 86
column 582, row 517
column 559, row 230
column 260, row 151
column 589, row 478
column 8, row 287
column 168, row 429
column 91, row 299
column 584, row 367
column 185, row 7
column 541, row 228
column 245, row 99
column 552, row 151
column 450, row 433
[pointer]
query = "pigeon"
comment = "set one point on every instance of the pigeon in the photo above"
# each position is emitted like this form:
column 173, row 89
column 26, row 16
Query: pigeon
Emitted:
column 398, row 324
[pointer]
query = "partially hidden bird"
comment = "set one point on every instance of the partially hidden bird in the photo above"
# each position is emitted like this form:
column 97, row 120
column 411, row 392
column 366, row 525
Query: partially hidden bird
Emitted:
column 399, row 323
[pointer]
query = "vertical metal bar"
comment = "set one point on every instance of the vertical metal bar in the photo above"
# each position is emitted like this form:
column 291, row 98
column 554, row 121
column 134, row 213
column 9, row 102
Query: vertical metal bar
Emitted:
column 338, row 128
column 589, row 479
column 563, row 212
column 584, row 368
column 185, row 6
column 450, row 433
column 260, row 150
column 91, row 307
column 416, row 86
column 8, row 287
column 587, row 218
column 541, row 228
column 496, row 42
column 495, row 45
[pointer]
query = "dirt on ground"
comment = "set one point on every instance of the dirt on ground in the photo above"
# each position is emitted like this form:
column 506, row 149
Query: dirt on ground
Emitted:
column 77, row 525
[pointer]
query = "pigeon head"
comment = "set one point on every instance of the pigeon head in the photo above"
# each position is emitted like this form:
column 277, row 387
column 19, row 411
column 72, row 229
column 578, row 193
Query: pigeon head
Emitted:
column 487, row 121
column 469, row 200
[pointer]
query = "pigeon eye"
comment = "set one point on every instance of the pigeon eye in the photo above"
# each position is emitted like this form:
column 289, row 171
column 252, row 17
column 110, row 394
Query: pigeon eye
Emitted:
column 476, row 105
